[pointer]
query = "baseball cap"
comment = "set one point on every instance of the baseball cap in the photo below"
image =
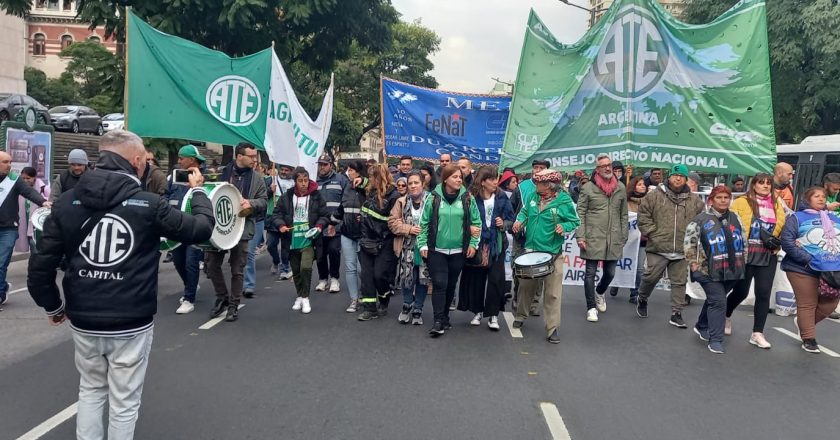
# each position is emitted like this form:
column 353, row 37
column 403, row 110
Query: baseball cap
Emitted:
column 679, row 170
column 190, row 151
column 77, row 157
column 325, row 158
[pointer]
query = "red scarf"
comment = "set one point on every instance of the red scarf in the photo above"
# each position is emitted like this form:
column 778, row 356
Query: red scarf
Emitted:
column 607, row 186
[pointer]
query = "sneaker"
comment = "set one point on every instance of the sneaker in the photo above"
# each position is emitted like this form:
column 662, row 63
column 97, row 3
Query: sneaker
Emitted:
column 219, row 307
column 476, row 319
column 834, row 315
column 305, row 307
column 601, row 302
column 248, row 294
column 493, row 323
column 716, row 347
column 382, row 310
column 354, row 305
column 436, row 330
column 613, row 291
column 592, row 315
column 298, row 304
column 633, row 300
column 232, row 313
column 677, row 321
column 405, row 314
column 453, row 306
column 447, row 326
column 758, row 340
column 702, row 334
column 286, row 275
column 518, row 324
column 367, row 315
column 335, row 287
column 641, row 309
column 185, row 307
column 200, row 265
column 554, row 337
column 321, row 286
column 275, row 269
column 417, row 318
column 168, row 258
column 727, row 327
column 810, row 345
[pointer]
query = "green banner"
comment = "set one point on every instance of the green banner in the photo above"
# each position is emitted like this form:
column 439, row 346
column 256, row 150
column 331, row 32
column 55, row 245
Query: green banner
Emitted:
column 179, row 89
column 649, row 90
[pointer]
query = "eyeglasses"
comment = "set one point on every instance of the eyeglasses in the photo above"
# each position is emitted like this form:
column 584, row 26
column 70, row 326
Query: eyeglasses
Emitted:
column 604, row 167
column 400, row 185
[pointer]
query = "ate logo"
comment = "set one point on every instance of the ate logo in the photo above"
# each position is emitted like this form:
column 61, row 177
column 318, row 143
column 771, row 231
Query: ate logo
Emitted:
column 633, row 57
column 109, row 243
column 234, row 100
column 224, row 212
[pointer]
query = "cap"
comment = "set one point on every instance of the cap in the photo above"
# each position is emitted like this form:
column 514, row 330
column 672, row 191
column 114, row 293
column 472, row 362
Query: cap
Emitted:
column 77, row 157
column 694, row 176
column 679, row 170
column 617, row 164
column 548, row 175
column 506, row 176
column 325, row 158
column 190, row 151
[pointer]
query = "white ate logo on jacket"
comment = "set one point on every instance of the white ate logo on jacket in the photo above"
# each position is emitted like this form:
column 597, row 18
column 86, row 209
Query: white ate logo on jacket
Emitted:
column 108, row 244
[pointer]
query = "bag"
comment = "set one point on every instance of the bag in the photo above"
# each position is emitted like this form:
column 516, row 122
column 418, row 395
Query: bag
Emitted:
column 370, row 246
column 827, row 288
column 481, row 257
column 770, row 241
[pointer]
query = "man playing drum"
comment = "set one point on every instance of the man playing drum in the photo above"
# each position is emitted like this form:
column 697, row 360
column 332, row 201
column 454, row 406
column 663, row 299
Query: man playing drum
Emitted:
column 545, row 217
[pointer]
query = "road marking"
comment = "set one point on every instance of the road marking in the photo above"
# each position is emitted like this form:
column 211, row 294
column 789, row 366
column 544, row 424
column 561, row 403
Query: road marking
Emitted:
column 554, row 421
column 836, row 321
column 514, row 332
column 211, row 323
column 22, row 289
column 40, row 430
column 794, row 336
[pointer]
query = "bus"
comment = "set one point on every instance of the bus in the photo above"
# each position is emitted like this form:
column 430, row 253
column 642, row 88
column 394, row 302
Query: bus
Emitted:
column 815, row 157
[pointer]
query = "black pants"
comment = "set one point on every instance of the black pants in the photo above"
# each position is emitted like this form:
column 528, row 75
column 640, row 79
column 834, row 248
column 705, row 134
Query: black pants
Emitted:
column 329, row 262
column 607, row 276
column 763, row 276
column 378, row 273
column 444, row 271
column 482, row 289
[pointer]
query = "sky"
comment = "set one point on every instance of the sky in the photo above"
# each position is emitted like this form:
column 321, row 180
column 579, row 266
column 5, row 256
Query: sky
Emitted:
column 482, row 39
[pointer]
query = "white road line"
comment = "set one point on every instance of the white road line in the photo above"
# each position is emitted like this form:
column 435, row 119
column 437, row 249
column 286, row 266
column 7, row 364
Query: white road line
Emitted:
column 554, row 421
column 40, row 430
column 794, row 336
column 211, row 323
column 22, row 289
column 514, row 332
column 836, row 321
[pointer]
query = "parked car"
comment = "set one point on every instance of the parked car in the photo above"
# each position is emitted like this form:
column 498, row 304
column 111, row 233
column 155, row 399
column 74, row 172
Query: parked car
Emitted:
column 113, row 121
column 11, row 104
column 77, row 119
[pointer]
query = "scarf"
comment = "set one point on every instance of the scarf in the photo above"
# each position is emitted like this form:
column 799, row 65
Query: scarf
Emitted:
column 766, row 210
column 608, row 186
column 829, row 234
column 405, row 265
column 239, row 177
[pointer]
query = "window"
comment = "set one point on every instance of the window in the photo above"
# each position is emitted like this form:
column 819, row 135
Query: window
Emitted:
column 52, row 5
column 66, row 41
column 95, row 39
column 68, row 5
column 39, row 45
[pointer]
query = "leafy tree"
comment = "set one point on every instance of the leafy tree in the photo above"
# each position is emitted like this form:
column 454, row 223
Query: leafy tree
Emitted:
column 99, row 72
column 51, row 91
column 804, row 41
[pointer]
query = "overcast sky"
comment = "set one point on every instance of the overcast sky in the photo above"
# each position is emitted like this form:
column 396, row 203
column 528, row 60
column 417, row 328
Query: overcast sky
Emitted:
column 481, row 39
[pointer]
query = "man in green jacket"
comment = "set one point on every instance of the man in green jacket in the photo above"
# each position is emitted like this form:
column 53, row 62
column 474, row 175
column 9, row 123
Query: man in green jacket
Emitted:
column 545, row 217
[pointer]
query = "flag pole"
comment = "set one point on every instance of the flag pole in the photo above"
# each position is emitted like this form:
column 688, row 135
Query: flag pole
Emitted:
column 125, row 83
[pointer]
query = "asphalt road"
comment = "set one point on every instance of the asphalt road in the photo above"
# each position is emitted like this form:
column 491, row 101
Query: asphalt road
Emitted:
column 280, row 374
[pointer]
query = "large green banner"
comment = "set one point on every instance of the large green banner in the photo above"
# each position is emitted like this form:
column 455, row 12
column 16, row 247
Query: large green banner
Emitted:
column 649, row 90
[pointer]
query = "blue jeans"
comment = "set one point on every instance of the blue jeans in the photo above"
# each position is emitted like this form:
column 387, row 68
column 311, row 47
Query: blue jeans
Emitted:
column 415, row 296
column 8, row 237
column 640, row 271
column 251, row 265
column 713, row 314
column 350, row 249
column 278, row 257
column 186, row 260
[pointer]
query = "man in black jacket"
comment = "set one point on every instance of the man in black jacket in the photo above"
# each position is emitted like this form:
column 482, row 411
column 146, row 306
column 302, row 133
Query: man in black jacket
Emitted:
column 109, row 231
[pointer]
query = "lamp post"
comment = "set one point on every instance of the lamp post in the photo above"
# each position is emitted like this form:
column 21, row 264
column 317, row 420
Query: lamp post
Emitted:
column 592, row 11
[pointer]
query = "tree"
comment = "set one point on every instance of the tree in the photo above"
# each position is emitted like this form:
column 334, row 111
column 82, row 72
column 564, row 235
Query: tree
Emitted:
column 99, row 72
column 804, row 42
column 51, row 91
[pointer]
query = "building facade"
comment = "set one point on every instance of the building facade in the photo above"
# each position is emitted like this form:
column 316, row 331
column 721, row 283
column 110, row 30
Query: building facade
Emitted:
column 675, row 7
column 13, row 54
column 51, row 27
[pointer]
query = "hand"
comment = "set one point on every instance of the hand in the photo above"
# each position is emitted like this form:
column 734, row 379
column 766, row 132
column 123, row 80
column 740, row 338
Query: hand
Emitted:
column 312, row 233
column 57, row 320
column 833, row 206
column 415, row 230
column 330, row 231
column 581, row 244
column 47, row 205
column 357, row 181
column 273, row 187
column 195, row 178
column 694, row 267
column 499, row 222
column 284, row 229
column 516, row 227
column 470, row 252
column 558, row 229
column 424, row 253
column 475, row 231
column 245, row 204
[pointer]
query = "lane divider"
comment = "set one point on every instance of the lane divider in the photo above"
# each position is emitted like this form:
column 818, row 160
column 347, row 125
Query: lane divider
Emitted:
column 50, row 424
column 514, row 332
column 555, row 423
column 795, row 336
column 211, row 323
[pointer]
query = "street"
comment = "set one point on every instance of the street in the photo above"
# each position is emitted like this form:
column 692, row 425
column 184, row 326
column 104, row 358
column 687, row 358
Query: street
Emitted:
column 276, row 373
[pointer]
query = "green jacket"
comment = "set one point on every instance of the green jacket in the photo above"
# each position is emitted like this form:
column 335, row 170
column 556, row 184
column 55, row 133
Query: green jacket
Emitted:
column 450, row 222
column 539, row 225
column 664, row 217
column 603, row 222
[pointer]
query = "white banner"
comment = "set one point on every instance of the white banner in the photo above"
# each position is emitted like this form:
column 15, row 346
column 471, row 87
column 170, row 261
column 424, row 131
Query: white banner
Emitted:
column 291, row 137
column 625, row 271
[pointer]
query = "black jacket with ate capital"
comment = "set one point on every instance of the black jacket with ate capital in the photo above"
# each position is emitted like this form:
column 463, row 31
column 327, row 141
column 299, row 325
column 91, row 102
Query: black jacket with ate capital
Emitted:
column 110, row 283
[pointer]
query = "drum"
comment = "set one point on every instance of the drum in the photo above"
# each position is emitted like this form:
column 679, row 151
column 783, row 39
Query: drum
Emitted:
column 533, row 265
column 229, row 228
column 38, row 218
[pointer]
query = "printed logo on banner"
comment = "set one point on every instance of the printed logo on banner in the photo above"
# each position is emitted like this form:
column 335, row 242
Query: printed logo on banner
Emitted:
column 402, row 97
column 234, row 100
column 109, row 243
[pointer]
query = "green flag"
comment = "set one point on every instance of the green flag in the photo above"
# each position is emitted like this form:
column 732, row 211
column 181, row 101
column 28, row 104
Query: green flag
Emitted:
column 179, row 89
column 649, row 91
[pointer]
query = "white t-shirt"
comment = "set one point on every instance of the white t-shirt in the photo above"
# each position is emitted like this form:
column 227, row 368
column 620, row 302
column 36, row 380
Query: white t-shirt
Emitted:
column 488, row 211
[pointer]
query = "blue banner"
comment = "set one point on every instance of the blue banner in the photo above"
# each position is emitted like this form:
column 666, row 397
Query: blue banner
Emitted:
column 424, row 123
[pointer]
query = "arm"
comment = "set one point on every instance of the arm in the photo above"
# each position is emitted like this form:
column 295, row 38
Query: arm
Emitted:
column 507, row 214
column 741, row 208
column 695, row 254
column 395, row 220
column 41, row 274
column 582, row 208
column 423, row 238
column 475, row 220
column 790, row 235
column 645, row 215
column 185, row 228
column 260, row 200
column 28, row 192
column 625, row 234
column 568, row 218
column 781, row 218
column 323, row 211
column 55, row 188
column 157, row 182
column 522, row 215
column 276, row 219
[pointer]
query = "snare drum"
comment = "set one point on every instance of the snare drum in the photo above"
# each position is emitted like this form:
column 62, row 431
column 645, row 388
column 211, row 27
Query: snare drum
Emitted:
column 229, row 228
column 38, row 218
column 533, row 265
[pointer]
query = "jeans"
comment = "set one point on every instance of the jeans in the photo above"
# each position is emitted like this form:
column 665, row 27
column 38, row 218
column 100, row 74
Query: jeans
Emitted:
column 280, row 257
column 378, row 273
column 713, row 314
column 112, row 371
column 763, row 276
column 8, row 237
column 238, row 256
column 186, row 260
column 330, row 259
column 415, row 296
column 350, row 249
column 607, row 276
column 444, row 271
column 251, row 266
column 301, row 262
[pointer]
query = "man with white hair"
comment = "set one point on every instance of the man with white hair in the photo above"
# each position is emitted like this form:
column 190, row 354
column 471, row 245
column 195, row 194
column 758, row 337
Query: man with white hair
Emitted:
column 108, row 229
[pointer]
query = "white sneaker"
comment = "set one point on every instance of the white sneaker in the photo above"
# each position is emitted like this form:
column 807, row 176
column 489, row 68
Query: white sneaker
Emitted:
column 601, row 303
column 274, row 269
column 354, row 304
column 321, row 286
column 494, row 323
column 334, row 286
column 298, row 303
column 305, row 307
column 286, row 275
column 758, row 340
column 185, row 307
column 592, row 315
column 476, row 319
